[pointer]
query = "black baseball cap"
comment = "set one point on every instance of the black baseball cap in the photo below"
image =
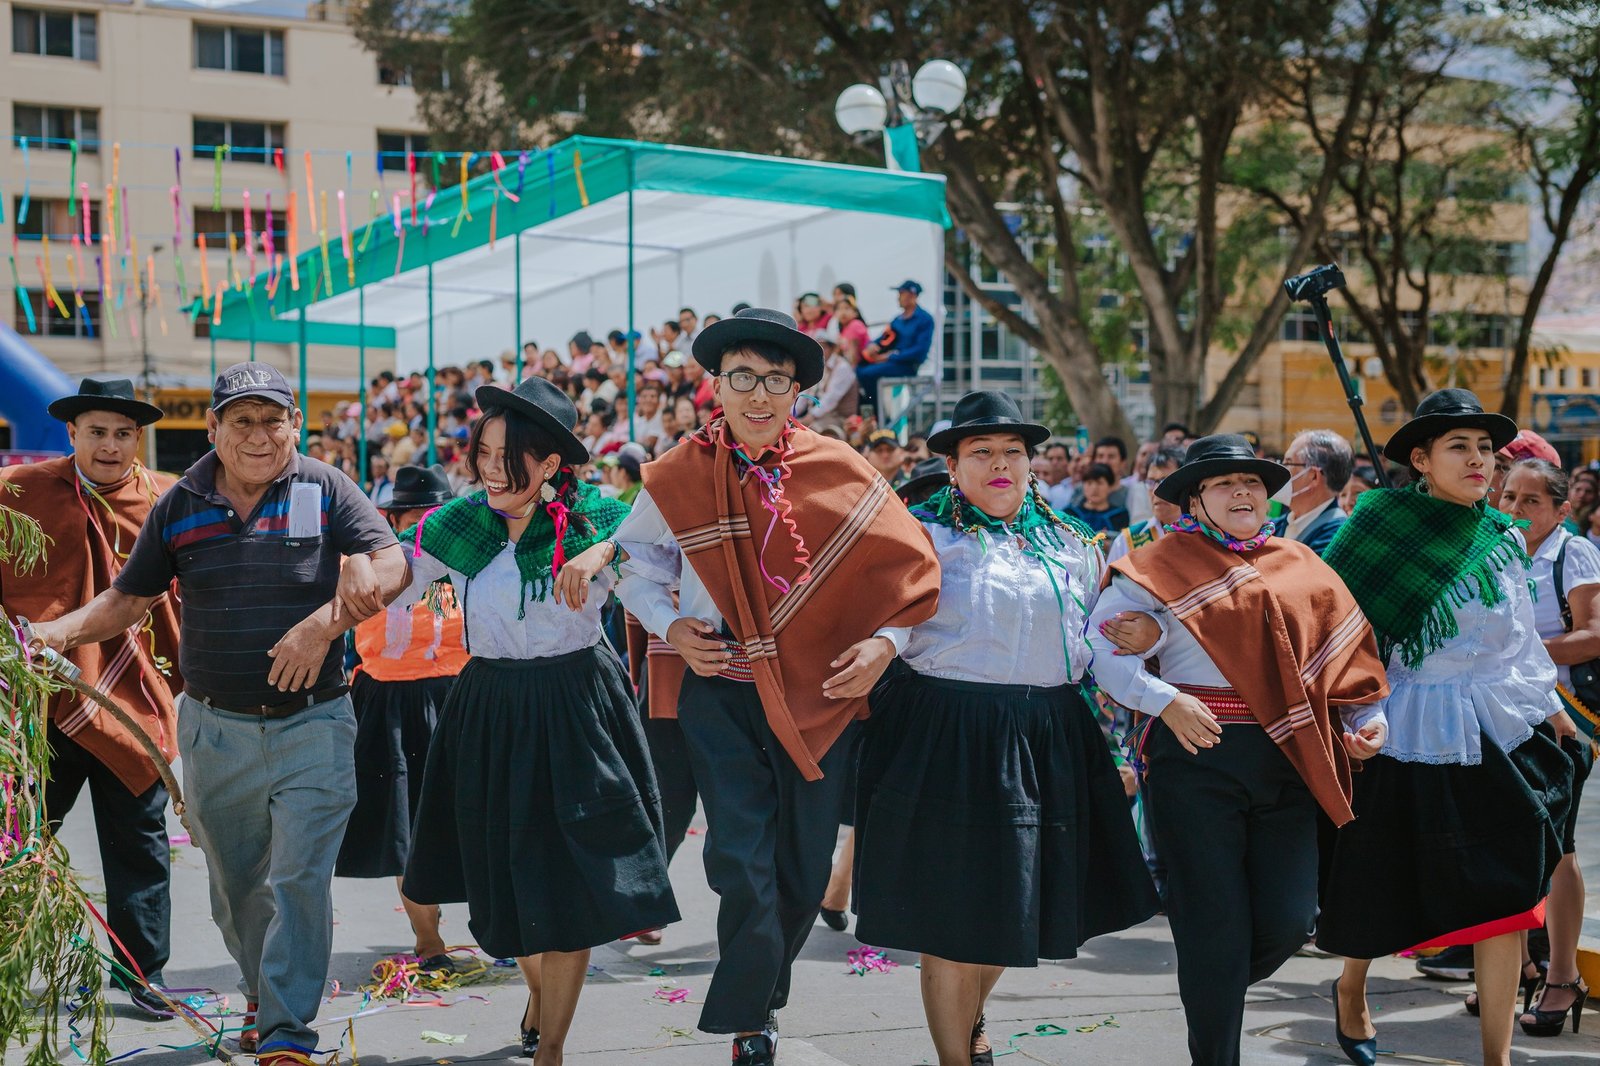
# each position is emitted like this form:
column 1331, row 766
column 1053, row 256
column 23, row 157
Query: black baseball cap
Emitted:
column 246, row 381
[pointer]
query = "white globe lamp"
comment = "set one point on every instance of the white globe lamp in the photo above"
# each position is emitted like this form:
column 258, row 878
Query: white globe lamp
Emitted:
column 861, row 109
column 939, row 86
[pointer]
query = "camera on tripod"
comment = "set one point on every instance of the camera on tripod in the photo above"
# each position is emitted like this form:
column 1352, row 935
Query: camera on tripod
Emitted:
column 1315, row 283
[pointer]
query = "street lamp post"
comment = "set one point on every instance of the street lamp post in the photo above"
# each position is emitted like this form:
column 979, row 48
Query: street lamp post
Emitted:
column 919, row 105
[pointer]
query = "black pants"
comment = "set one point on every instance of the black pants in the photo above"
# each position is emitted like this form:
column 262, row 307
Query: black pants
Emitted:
column 669, row 757
column 133, row 850
column 1236, row 828
column 769, row 846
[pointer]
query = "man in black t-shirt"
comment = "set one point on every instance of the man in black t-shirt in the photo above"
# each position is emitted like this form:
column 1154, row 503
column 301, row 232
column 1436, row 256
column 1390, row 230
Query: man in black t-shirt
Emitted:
column 253, row 534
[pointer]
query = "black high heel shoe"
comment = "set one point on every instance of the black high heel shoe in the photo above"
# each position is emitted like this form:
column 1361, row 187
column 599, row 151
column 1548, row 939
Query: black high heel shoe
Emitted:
column 1551, row 1022
column 530, row 1037
column 834, row 920
column 1360, row 1052
column 1529, row 986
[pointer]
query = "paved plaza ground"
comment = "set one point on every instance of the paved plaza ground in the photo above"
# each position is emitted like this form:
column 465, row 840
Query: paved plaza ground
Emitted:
column 1117, row 1003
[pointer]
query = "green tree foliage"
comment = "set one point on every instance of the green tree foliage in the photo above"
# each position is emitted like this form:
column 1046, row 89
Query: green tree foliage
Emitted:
column 1120, row 115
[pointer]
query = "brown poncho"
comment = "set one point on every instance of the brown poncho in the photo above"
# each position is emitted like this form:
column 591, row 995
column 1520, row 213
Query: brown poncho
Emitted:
column 89, row 543
column 1286, row 634
column 870, row 565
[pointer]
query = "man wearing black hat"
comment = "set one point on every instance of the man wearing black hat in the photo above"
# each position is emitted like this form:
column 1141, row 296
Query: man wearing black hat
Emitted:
column 784, row 635
column 901, row 348
column 254, row 534
column 92, row 504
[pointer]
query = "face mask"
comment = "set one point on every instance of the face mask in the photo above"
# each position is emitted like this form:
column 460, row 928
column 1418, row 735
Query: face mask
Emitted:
column 1288, row 492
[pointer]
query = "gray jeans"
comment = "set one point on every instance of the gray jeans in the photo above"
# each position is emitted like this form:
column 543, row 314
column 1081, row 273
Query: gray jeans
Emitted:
column 268, row 802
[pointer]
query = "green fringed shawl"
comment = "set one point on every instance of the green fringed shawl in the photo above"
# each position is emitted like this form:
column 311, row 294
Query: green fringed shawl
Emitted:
column 466, row 535
column 1412, row 561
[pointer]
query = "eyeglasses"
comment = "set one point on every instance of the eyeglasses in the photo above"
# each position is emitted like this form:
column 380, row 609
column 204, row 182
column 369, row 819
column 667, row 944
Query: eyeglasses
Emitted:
column 745, row 381
column 1294, row 462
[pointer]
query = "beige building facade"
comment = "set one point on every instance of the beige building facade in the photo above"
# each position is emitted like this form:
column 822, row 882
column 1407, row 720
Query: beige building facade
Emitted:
column 136, row 82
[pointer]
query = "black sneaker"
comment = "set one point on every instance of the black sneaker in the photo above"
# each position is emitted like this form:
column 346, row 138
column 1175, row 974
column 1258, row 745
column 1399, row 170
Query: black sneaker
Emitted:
column 753, row 1050
column 1451, row 964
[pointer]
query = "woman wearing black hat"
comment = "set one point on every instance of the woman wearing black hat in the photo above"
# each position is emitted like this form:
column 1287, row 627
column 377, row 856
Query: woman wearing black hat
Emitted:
column 410, row 656
column 1268, row 686
column 985, row 785
column 538, row 806
column 1459, row 819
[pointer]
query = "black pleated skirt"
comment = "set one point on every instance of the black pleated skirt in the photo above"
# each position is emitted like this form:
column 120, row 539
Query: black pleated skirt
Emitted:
column 991, row 824
column 1435, row 849
column 539, row 808
column 394, row 725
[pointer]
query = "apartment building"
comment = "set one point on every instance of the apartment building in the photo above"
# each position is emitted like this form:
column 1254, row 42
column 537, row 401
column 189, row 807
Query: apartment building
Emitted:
column 149, row 90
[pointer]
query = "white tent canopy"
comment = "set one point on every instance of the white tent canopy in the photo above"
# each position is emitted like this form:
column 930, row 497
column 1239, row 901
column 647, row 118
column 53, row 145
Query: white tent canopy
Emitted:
column 687, row 227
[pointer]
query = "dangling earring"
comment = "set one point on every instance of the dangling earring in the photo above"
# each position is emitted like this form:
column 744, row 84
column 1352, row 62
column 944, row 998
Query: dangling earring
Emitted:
column 1423, row 486
column 547, row 491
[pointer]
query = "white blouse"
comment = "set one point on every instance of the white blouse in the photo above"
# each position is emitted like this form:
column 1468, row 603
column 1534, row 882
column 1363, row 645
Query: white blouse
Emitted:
column 1581, row 567
column 998, row 620
column 1183, row 660
column 1492, row 682
column 490, row 602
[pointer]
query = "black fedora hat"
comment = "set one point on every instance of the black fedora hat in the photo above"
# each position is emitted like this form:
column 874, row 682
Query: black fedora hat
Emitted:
column 1222, row 453
column 927, row 477
column 760, row 324
column 1444, row 410
column 115, row 395
column 420, row 486
column 546, row 405
column 979, row 413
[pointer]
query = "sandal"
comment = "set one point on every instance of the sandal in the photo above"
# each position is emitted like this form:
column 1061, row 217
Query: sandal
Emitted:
column 530, row 1036
column 1529, row 985
column 1551, row 1022
column 249, row 1039
column 981, row 1056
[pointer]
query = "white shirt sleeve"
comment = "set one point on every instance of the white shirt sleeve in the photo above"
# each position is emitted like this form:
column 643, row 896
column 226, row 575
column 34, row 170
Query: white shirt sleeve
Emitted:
column 653, row 566
column 841, row 379
column 425, row 570
column 1581, row 566
column 1125, row 676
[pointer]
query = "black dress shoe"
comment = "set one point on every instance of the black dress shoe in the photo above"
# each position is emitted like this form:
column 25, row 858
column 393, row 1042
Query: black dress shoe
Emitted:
column 530, row 1037
column 150, row 1004
column 1360, row 1052
column 835, row 920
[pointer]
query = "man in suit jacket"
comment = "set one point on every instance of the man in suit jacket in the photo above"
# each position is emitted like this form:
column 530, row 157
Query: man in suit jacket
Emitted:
column 1320, row 461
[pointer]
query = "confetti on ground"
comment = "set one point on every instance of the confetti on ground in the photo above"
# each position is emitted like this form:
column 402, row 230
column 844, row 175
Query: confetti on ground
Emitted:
column 434, row 1037
column 865, row 960
column 657, row 972
column 178, row 841
column 400, row 977
column 668, row 994
column 1051, row 1029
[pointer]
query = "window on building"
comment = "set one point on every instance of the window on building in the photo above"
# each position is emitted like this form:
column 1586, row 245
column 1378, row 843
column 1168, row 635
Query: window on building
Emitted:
column 1546, row 377
column 393, row 147
column 54, row 128
column 243, row 49
column 399, row 76
column 50, row 216
column 49, row 320
column 68, row 34
column 216, row 225
column 1300, row 326
column 1587, row 375
column 1565, row 377
column 247, row 142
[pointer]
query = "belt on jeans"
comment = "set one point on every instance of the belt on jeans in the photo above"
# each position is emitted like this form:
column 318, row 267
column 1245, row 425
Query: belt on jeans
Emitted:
column 275, row 710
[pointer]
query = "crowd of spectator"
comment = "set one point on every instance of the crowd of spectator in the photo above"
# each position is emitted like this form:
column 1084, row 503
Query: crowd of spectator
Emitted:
column 624, row 423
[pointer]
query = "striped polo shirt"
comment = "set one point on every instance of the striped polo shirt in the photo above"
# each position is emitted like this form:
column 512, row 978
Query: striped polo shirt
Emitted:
column 243, row 582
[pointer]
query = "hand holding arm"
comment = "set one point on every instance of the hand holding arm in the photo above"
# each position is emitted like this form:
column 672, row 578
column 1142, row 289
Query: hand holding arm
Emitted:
column 1133, row 632
column 696, row 641
column 863, row 663
column 572, row 584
